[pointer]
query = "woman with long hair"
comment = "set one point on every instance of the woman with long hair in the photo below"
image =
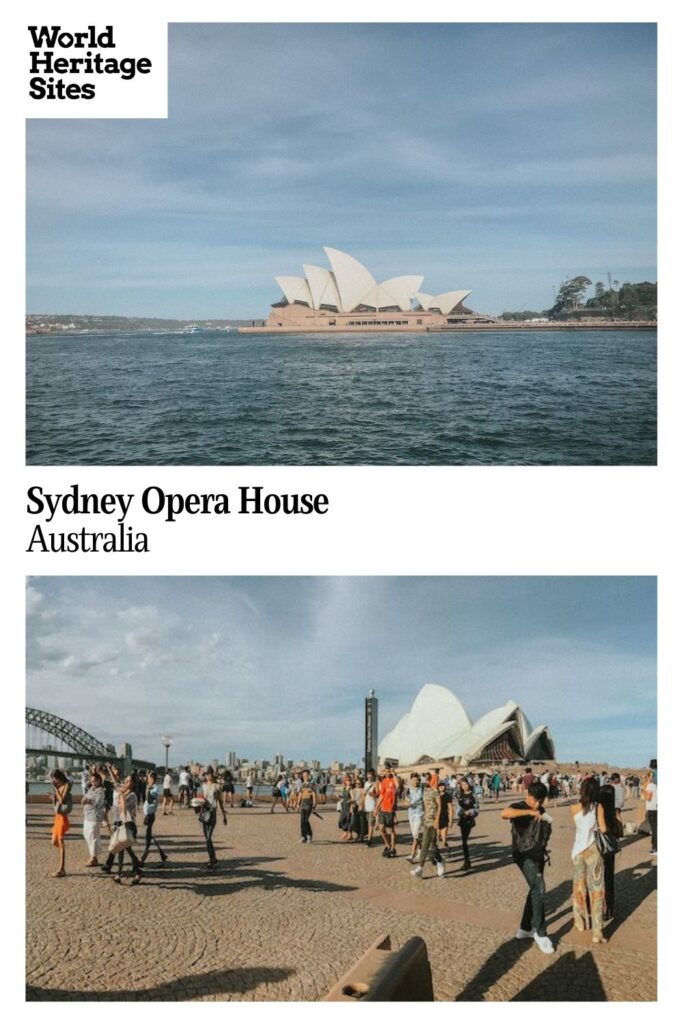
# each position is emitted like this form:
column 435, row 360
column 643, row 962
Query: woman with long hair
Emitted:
column 94, row 811
column 149, row 809
column 606, row 800
column 588, row 891
column 445, row 813
column 213, row 799
column 125, row 810
column 345, row 811
column 466, row 813
column 62, row 800
column 279, row 794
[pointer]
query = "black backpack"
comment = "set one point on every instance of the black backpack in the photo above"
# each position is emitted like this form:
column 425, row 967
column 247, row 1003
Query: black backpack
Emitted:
column 533, row 840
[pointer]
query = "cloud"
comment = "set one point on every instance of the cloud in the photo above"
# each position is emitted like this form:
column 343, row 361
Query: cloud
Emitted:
column 368, row 135
column 285, row 663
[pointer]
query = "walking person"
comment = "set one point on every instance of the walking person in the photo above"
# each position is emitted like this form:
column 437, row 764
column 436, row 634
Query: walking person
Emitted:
column 588, row 891
column 228, row 787
column 495, row 785
column 183, row 787
column 213, row 800
column 370, row 804
column 125, row 809
column 466, row 813
column 307, row 800
column 650, row 797
column 149, row 809
column 279, row 793
column 531, row 828
column 167, row 802
column 345, row 801
column 387, row 812
column 416, row 813
column 445, row 813
column 432, row 810
column 615, row 830
column 250, row 789
column 94, row 811
column 63, row 803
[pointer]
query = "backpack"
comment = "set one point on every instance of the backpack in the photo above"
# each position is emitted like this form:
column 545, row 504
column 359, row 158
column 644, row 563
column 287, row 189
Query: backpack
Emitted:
column 533, row 841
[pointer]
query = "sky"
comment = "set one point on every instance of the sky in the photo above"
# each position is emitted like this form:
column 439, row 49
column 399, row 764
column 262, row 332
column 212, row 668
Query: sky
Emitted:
column 497, row 158
column 266, row 665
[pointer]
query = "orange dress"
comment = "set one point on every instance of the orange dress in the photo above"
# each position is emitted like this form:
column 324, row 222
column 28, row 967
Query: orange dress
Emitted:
column 60, row 827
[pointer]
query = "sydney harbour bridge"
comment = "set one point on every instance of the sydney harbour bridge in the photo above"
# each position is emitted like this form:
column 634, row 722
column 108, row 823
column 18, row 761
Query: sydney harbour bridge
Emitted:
column 48, row 735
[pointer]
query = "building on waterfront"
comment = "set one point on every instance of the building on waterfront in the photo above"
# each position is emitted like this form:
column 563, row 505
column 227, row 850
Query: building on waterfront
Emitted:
column 438, row 727
column 347, row 297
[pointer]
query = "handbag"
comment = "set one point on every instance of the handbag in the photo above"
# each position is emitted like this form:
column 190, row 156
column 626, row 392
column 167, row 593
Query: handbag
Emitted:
column 206, row 814
column 606, row 843
column 121, row 838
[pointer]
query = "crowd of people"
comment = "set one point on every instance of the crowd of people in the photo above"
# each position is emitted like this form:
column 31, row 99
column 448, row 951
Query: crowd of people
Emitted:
column 436, row 804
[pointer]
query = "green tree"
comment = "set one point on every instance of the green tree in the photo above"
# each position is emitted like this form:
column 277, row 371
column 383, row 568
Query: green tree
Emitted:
column 570, row 295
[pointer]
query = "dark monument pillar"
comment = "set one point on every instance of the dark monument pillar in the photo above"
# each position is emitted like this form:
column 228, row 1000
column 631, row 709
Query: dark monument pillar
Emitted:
column 371, row 732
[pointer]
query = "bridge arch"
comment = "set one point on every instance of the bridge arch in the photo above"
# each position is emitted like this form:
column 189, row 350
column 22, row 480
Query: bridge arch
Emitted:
column 77, row 739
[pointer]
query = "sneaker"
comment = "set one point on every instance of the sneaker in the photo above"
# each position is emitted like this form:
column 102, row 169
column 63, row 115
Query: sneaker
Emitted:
column 522, row 933
column 440, row 869
column 410, row 858
column 303, row 839
column 309, row 839
column 392, row 853
column 544, row 944
column 385, row 852
column 417, row 872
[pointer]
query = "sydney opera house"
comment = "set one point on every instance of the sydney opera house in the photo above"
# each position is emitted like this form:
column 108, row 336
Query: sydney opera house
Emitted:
column 348, row 298
column 438, row 728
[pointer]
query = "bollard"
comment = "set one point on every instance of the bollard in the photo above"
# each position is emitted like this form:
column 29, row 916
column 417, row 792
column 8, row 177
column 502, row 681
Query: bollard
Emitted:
column 386, row 975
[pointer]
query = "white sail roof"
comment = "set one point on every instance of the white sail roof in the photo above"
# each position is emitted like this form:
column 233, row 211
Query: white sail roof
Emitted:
column 438, row 726
column 323, row 288
column 349, row 284
column 295, row 289
column 435, row 713
column 445, row 303
column 403, row 289
column 352, row 278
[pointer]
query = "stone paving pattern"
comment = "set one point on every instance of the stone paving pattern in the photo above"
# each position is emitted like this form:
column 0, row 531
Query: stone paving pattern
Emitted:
column 280, row 921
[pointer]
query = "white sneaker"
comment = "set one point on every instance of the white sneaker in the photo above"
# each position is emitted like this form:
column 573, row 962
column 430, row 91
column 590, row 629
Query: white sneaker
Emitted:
column 417, row 872
column 440, row 869
column 303, row 839
column 522, row 933
column 544, row 944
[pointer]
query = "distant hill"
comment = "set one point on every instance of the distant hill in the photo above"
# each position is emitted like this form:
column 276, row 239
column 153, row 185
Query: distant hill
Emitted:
column 53, row 323
column 627, row 302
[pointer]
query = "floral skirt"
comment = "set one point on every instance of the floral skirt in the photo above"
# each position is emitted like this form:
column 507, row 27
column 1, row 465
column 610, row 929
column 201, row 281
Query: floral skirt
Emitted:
column 588, row 892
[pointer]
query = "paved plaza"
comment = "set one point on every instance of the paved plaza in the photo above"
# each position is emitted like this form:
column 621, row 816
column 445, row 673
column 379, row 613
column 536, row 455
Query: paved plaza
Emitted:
column 280, row 921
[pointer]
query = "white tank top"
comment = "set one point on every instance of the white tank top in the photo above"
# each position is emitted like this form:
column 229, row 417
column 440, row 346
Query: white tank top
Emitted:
column 585, row 831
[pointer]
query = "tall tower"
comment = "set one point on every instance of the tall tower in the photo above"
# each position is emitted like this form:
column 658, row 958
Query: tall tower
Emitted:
column 371, row 715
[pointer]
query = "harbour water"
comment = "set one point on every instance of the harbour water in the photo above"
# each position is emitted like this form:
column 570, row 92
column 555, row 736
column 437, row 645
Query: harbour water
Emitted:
column 507, row 398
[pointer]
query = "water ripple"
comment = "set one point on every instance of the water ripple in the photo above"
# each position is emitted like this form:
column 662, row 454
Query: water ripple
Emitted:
column 569, row 398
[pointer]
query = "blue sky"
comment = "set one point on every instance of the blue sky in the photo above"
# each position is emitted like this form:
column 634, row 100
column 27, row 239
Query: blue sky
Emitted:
column 261, row 665
column 499, row 158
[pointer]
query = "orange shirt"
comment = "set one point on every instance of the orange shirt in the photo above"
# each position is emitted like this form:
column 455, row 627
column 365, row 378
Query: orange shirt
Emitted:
column 387, row 794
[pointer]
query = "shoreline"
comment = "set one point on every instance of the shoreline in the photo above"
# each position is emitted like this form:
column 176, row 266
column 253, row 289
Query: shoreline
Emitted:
column 612, row 325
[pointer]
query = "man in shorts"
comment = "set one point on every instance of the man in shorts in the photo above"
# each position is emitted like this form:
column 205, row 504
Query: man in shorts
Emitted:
column 387, row 812
column 183, row 788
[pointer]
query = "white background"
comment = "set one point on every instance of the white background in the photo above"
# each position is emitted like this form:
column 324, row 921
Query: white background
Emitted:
column 458, row 520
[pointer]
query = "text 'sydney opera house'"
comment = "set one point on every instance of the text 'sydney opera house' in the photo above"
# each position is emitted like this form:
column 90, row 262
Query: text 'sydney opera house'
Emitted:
column 348, row 298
